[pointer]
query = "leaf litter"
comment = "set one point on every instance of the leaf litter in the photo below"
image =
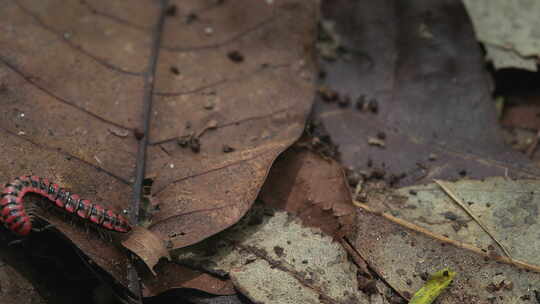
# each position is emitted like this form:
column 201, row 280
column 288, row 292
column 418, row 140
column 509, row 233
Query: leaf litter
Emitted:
column 312, row 188
column 439, row 123
column 272, row 258
column 254, row 151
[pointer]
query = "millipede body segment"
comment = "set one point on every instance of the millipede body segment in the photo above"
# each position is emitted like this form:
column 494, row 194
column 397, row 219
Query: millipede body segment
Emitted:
column 15, row 217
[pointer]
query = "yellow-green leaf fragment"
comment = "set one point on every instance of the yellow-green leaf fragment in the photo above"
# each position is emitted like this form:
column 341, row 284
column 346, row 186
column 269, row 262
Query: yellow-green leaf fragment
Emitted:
column 433, row 287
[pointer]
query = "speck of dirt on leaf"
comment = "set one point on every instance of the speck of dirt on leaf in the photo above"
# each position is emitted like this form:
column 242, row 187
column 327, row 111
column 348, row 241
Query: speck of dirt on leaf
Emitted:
column 394, row 179
column 195, row 145
column 361, row 104
column 279, row 251
column 377, row 174
column 138, row 134
column 450, row 216
column 227, row 149
column 171, row 11
column 235, row 56
column 344, row 101
column 183, row 141
column 328, row 94
column 174, row 70
column 525, row 297
column 373, row 106
column 191, row 17
column 353, row 177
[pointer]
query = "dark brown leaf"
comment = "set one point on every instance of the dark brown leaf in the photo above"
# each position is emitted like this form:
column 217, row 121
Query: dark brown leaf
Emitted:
column 171, row 276
column 421, row 65
column 259, row 106
column 303, row 183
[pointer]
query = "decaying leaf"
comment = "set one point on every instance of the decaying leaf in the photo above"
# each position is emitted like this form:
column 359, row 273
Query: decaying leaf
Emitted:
column 172, row 276
column 436, row 284
column 303, row 183
column 508, row 31
column 147, row 246
column 272, row 258
column 423, row 226
column 506, row 207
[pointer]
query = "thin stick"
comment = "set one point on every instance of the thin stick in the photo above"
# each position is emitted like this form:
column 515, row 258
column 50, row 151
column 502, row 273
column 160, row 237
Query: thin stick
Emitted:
column 422, row 230
column 476, row 219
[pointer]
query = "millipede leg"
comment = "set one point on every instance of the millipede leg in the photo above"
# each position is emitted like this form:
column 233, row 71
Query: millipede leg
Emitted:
column 41, row 229
column 16, row 242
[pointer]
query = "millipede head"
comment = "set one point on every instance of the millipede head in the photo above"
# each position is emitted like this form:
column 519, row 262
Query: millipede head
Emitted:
column 122, row 224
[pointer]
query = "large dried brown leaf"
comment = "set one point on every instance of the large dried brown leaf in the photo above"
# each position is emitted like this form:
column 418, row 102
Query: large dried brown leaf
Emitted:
column 75, row 79
column 259, row 106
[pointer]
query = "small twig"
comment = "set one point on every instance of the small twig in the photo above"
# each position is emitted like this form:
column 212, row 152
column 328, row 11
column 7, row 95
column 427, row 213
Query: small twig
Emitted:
column 476, row 219
column 458, row 244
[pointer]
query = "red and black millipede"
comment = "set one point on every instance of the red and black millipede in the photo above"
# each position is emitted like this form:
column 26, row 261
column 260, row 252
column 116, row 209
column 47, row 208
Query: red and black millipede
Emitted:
column 16, row 218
